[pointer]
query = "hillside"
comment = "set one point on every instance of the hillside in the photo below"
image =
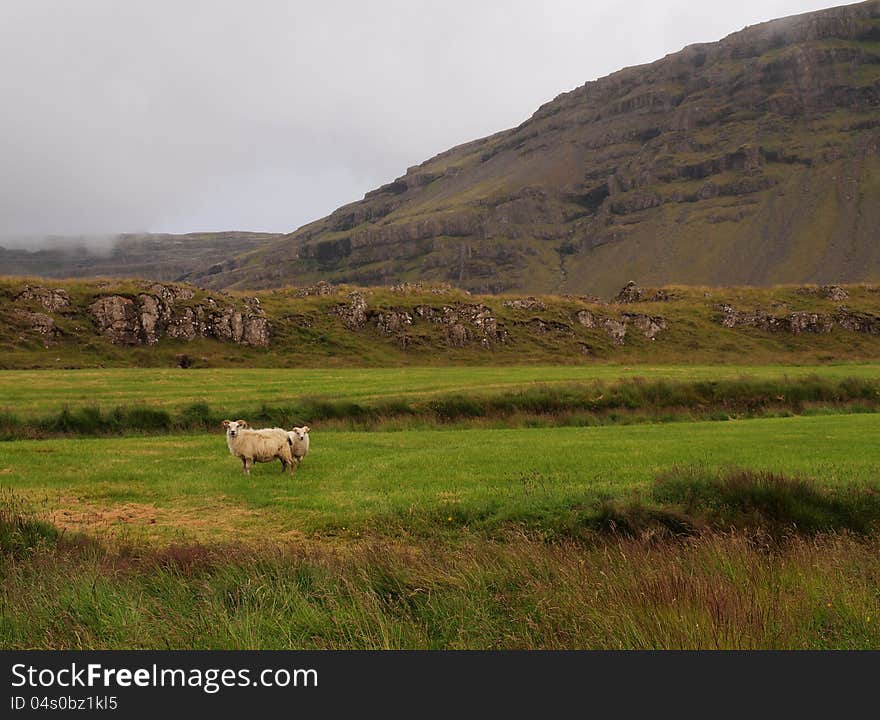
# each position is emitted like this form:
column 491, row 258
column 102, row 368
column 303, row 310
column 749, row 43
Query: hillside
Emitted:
column 149, row 255
column 140, row 323
column 753, row 160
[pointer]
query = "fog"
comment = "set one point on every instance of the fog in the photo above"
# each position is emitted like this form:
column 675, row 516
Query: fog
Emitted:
column 195, row 116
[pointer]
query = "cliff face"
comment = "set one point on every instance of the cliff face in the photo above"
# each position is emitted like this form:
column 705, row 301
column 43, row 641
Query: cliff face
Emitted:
column 753, row 160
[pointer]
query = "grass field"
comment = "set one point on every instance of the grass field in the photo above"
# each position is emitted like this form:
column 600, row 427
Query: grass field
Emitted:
column 191, row 488
column 30, row 392
column 750, row 533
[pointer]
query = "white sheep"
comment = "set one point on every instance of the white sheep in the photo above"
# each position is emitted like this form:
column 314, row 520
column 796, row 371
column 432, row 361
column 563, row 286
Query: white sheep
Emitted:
column 299, row 443
column 258, row 445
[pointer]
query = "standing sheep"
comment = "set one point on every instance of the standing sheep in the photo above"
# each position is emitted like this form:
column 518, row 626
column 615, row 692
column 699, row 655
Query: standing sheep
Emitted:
column 258, row 445
column 299, row 443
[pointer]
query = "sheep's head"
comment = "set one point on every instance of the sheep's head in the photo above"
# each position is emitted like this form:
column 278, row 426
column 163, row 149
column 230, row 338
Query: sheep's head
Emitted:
column 233, row 426
column 299, row 433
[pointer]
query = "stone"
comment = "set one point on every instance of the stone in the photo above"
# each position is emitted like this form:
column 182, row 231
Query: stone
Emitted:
column 393, row 322
column 818, row 323
column 157, row 314
column 320, row 288
column 630, row 293
column 616, row 329
column 801, row 321
column 586, row 318
column 38, row 323
column 53, row 299
column 649, row 325
column 857, row 322
column 117, row 318
column 354, row 314
column 529, row 303
column 831, row 292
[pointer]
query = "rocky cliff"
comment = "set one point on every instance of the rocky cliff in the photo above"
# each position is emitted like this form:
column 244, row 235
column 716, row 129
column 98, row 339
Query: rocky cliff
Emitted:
column 753, row 160
column 142, row 313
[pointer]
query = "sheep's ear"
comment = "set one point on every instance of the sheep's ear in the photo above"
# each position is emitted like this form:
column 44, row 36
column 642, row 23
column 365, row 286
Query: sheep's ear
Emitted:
column 243, row 423
column 226, row 423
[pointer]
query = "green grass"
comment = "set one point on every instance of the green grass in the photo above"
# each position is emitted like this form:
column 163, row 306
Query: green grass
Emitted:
column 31, row 393
column 595, row 537
column 422, row 482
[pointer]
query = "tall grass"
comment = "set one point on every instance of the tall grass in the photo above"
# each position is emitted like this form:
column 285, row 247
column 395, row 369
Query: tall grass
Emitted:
column 713, row 589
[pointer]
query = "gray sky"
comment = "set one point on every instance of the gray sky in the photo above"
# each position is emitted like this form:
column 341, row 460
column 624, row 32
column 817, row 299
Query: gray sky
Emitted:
column 136, row 115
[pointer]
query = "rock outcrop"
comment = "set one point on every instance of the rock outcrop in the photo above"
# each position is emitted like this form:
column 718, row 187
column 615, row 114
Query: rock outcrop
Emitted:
column 649, row 325
column 53, row 299
column 319, row 288
column 165, row 311
column 39, row 323
column 354, row 313
column 465, row 323
column 831, row 292
column 529, row 303
column 799, row 322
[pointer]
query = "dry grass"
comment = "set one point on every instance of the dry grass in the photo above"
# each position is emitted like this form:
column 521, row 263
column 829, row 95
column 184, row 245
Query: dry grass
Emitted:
column 716, row 591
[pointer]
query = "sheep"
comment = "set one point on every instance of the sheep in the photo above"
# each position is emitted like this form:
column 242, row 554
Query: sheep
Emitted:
column 258, row 445
column 299, row 443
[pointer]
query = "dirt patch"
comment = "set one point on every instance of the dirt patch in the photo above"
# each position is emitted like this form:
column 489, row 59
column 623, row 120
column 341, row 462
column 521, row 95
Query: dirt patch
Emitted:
column 194, row 523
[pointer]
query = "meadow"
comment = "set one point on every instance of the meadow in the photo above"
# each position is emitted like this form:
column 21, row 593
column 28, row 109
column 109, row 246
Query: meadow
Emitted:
column 31, row 392
column 189, row 487
column 39, row 404
column 758, row 532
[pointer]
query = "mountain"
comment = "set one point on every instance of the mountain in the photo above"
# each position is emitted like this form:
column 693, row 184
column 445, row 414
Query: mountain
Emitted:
column 753, row 160
column 151, row 256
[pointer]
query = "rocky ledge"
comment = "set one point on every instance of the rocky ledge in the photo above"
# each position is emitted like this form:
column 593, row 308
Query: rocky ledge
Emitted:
column 799, row 322
column 167, row 311
column 465, row 323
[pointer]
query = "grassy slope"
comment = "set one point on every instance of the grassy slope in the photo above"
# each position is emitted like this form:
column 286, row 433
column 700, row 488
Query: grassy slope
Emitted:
column 308, row 332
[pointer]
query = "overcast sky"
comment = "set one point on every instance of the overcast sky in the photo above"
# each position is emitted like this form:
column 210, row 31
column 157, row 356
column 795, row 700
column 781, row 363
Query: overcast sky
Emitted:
column 147, row 115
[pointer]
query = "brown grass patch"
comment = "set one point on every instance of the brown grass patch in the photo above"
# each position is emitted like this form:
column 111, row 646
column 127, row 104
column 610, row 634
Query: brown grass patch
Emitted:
column 212, row 521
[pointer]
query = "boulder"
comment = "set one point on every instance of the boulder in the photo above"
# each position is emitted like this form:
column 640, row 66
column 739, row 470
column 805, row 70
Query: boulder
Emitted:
column 630, row 293
column 529, row 303
column 53, row 299
column 39, row 323
column 117, row 318
column 393, row 322
column 354, row 313
column 649, row 325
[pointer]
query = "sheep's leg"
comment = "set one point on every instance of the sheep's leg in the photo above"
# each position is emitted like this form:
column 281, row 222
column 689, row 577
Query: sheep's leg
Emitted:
column 247, row 466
